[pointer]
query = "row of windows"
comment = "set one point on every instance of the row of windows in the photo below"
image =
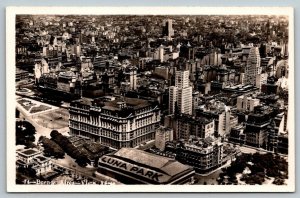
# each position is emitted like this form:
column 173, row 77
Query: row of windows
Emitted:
column 112, row 134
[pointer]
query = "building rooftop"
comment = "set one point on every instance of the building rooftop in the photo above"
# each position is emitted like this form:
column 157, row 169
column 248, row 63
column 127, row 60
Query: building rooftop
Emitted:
column 168, row 166
column 135, row 103
column 196, row 120
column 19, row 71
column 41, row 158
column 29, row 151
column 85, row 101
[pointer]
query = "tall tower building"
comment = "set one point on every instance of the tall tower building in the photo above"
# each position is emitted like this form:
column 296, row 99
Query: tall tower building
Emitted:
column 253, row 66
column 161, row 53
column 182, row 79
column 133, row 78
column 181, row 93
column 172, row 99
column 168, row 28
column 185, row 100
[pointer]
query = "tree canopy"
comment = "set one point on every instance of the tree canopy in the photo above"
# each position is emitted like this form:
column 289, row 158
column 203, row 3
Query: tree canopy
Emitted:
column 25, row 132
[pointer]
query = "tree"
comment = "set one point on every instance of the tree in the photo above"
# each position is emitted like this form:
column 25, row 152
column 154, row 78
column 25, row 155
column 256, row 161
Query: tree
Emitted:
column 25, row 132
column 54, row 133
column 51, row 148
column 29, row 171
column 81, row 158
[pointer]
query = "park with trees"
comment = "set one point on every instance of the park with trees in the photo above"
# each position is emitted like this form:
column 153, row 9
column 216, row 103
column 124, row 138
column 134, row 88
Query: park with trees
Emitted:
column 259, row 167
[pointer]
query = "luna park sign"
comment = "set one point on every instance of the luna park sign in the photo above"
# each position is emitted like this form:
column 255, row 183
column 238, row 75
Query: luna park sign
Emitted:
column 132, row 168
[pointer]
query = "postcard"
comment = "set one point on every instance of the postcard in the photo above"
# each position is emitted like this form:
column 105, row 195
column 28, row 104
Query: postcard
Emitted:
column 143, row 99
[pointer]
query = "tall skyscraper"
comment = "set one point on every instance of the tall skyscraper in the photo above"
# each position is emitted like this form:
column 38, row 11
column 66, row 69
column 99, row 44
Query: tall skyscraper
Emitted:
column 168, row 28
column 172, row 99
column 132, row 81
column 181, row 93
column 182, row 79
column 161, row 53
column 185, row 100
column 253, row 66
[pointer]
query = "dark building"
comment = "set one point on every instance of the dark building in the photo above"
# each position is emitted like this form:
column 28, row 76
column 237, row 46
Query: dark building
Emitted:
column 187, row 125
column 21, row 74
column 283, row 144
column 204, row 155
column 256, row 130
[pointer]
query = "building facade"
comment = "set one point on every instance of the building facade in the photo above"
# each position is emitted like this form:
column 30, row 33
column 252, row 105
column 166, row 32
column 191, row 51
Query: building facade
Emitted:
column 253, row 66
column 194, row 126
column 163, row 135
column 204, row 155
column 246, row 103
column 220, row 113
column 181, row 94
column 123, row 122
column 34, row 158
column 168, row 28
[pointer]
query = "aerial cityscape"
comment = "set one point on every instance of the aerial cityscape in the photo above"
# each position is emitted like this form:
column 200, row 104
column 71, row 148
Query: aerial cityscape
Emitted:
column 152, row 99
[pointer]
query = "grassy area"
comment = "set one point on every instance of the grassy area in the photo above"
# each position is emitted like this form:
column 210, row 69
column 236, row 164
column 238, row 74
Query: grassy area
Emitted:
column 26, row 104
column 40, row 108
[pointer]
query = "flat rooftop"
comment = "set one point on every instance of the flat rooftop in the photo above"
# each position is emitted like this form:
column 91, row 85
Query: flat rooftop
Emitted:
column 114, row 104
column 130, row 102
column 169, row 168
column 29, row 151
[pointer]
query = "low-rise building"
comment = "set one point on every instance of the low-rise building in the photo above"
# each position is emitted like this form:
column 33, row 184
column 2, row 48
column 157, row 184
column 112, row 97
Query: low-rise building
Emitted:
column 205, row 155
column 33, row 158
column 132, row 166
column 246, row 103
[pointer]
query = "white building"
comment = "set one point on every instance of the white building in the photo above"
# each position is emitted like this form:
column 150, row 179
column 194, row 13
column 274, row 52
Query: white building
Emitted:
column 172, row 99
column 253, row 66
column 261, row 79
column 182, row 79
column 40, row 68
column 168, row 29
column 181, row 93
column 185, row 100
column 35, row 159
column 220, row 113
column 246, row 103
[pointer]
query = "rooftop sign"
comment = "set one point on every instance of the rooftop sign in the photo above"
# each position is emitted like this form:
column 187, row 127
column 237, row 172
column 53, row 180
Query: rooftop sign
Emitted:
column 144, row 172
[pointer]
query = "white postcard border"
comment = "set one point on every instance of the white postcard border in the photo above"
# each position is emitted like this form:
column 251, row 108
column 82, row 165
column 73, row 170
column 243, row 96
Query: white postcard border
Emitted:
column 11, row 12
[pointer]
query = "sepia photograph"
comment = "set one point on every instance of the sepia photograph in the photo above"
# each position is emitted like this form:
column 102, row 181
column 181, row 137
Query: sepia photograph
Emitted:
column 127, row 99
